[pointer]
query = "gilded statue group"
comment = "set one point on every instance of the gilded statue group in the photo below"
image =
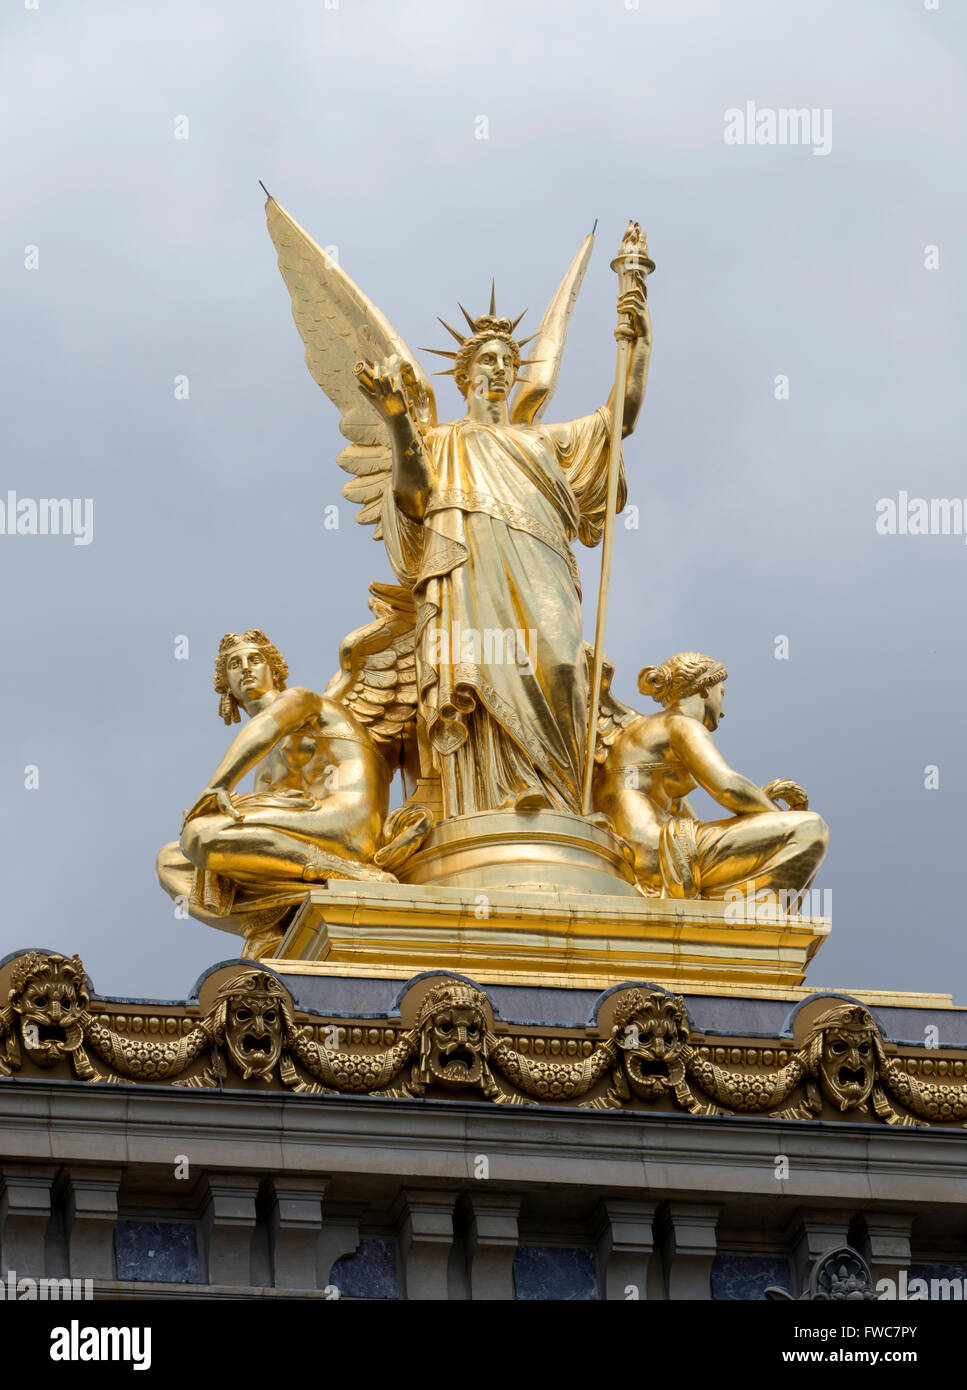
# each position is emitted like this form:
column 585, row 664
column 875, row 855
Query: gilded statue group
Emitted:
column 478, row 517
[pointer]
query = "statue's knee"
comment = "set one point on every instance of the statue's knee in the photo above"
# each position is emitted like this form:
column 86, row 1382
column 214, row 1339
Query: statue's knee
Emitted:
column 811, row 830
column 166, row 856
column 817, row 830
column 194, row 844
column 170, row 859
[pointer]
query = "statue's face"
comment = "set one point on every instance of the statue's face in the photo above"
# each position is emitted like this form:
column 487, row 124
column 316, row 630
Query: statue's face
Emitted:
column 713, row 705
column 50, row 1006
column 249, row 674
column 253, row 1033
column 652, row 1042
column 492, row 371
column 456, row 1046
column 847, row 1067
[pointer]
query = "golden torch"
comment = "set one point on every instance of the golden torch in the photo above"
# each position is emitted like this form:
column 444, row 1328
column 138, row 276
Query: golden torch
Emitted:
column 632, row 264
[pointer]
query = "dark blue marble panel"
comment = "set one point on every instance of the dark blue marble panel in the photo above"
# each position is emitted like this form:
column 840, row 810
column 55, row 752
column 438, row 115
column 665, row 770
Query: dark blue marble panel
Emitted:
column 548, row 1272
column 748, row 1276
column 157, row 1252
column 369, row 1273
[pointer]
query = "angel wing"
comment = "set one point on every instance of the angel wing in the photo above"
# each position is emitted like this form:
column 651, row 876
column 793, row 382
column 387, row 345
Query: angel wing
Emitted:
column 340, row 326
column 538, row 382
column 377, row 676
column 613, row 714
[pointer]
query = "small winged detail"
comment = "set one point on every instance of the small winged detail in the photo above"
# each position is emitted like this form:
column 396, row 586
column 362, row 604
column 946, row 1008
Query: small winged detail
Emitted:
column 613, row 714
column 377, row 679
column 340, row 327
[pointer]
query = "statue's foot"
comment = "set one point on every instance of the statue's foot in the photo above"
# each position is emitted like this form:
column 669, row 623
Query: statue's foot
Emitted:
column 363, row 874
column 532, row 801
column 405, row 830
column 323, row 867
column 373, row 875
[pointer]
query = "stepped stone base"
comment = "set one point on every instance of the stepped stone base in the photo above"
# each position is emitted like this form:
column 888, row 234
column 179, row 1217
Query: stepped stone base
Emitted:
column 579, row 939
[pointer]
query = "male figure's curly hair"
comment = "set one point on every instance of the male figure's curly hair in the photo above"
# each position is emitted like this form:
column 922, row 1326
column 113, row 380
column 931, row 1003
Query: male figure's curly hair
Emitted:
column 254, row 637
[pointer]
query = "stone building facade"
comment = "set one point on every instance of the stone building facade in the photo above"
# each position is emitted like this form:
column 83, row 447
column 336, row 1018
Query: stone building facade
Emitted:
column 316, row 1136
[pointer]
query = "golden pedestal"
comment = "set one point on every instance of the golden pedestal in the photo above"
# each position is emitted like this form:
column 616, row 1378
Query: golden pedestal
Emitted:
column 552, row 938
column 541, row 897
column 530, row 851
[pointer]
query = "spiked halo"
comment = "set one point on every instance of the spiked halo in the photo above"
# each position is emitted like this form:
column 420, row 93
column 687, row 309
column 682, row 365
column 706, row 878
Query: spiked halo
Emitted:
column 487, row 325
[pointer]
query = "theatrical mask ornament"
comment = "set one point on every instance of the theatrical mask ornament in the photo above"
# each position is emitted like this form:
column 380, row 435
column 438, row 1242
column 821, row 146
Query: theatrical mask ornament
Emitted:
column 49, row 994
column 848, row 1060
column 254, row 1024
column 651, row 1033
column 453, row 1038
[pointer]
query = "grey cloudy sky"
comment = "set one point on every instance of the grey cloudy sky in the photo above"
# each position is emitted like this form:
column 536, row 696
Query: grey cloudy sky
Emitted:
column 757, row 514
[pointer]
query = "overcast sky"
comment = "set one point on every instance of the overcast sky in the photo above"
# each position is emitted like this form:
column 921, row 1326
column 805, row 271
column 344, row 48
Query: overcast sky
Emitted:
column 757, row 513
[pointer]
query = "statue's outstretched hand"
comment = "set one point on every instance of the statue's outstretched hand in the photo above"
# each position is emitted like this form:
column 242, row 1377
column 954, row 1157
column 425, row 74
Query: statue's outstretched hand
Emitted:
column 389, row 388
column 790, row 792
column 211, row 801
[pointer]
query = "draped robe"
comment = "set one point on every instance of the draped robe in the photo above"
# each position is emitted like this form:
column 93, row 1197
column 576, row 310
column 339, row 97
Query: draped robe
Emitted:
column 502, row 671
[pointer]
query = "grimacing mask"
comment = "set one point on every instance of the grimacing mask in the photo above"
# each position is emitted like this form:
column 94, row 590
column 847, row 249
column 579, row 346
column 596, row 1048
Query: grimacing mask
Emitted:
column 652, row 1031
column 254, row 1023
column 847, row 1061
column 49, row 993
column 453, row 1031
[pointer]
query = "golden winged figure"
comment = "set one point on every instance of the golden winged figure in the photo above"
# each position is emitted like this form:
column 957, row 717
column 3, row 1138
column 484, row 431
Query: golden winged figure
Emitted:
column 488, row 691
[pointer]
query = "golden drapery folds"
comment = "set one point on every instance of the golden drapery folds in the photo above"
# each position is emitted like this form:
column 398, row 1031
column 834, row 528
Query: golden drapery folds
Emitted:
column 501, row 668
